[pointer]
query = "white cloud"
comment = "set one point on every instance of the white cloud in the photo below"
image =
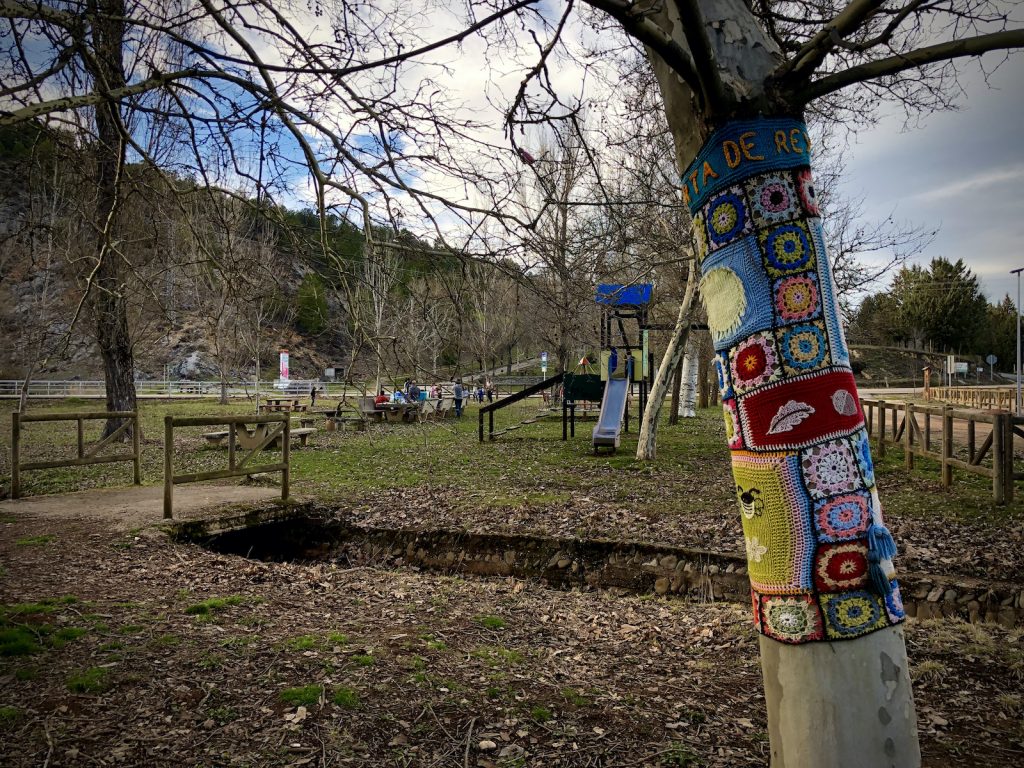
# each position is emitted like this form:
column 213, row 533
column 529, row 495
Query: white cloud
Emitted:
column 982, row 180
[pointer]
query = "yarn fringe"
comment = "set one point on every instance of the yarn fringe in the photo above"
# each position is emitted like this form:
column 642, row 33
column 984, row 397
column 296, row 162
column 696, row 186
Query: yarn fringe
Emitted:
column 877, row 575
column 880, row 542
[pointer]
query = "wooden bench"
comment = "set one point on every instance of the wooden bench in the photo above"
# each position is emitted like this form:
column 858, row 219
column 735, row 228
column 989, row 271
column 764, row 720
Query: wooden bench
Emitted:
column 248, row 439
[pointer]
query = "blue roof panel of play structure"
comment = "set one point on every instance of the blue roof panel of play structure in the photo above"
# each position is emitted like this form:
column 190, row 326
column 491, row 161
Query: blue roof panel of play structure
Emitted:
column 624, row 295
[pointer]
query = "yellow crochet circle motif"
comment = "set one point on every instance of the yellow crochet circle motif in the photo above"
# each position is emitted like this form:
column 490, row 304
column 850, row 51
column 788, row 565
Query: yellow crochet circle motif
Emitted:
column 725, row 300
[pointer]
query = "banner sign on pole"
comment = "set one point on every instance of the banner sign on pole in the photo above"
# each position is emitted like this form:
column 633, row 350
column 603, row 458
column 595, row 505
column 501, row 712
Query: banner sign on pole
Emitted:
column 543, row 363
column 284, row 365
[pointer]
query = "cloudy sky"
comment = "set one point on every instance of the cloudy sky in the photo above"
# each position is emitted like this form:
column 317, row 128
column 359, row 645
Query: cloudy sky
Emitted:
column 962, row 172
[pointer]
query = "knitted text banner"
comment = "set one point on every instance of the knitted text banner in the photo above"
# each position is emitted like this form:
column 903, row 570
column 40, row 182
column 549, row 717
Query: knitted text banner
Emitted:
column 818, row 554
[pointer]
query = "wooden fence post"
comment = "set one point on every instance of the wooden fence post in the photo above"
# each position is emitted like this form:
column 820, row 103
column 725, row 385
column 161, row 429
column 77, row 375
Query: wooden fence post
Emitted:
column 286, row 458
column 15, row 455
column 168, row 467
column 947, row 446
column 998, row 461
column 908, row 435
column 1008, row 457
column 137, row 450
column 881, row 428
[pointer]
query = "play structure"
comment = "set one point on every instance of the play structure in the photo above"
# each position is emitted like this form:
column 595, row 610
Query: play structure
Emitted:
column 620, row 370
column 624, row 364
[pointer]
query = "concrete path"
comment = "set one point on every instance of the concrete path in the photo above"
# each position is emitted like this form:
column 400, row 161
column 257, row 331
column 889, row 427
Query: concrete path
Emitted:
column 139, row 506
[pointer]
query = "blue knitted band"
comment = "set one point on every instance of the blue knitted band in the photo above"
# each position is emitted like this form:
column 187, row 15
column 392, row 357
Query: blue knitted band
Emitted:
column 741, row 149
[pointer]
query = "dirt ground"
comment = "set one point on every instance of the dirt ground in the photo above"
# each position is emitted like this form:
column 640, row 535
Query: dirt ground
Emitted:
column 143, row 652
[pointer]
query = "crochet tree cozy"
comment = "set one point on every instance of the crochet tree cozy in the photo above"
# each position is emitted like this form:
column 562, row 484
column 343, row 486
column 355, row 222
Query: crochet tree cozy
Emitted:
column 818, row 554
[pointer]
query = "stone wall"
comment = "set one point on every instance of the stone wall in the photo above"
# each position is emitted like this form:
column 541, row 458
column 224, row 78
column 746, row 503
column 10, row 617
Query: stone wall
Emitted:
column 303, row 534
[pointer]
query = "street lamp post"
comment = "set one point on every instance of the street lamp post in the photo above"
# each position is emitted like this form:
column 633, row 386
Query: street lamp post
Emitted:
column 1017, row 273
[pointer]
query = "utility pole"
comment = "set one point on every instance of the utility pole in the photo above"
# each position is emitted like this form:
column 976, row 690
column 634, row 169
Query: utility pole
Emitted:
column 1017, row 273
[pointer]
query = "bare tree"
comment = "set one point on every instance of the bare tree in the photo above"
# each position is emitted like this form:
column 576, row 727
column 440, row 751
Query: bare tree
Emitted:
column 724, row 67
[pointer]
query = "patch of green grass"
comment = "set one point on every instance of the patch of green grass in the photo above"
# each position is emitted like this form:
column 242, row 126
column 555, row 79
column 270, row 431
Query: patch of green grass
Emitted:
column 680, row 756
column 46, row 605
column 493, row 692
column 18, row 641
column 337, row 638
column 541, row 714
column 130, row 629
column 491, row 622
column 36, row 541
column 65, row 635
column 437, row 645
column 302, row 643
column 92, row 680
column 574, row 697
column 498, row 655
column 305, row 696
column 26, row 673
column 9, row 716
column 364, row 660
column 7, row 518
column 113, row 645
column 214, row 604
column 346, row 697
column 166, row 641
column 210, row 661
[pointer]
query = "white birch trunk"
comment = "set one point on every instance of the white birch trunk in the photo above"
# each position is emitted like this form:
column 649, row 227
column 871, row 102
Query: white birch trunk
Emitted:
column 688, row 387
column 646, row 446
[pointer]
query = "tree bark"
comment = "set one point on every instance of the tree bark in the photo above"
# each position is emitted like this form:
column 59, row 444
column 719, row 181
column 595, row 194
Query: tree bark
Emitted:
column 108, row 290
column 688, row 379
column 831, row 703
column 677, row 385
column 646, row 447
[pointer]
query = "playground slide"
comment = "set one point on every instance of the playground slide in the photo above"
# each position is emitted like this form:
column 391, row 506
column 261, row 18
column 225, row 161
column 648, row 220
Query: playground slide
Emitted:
column 613, row 407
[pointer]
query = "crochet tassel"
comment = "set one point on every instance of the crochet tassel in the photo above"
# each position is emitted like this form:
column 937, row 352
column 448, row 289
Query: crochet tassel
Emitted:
column 878, row 578
column 880, row 541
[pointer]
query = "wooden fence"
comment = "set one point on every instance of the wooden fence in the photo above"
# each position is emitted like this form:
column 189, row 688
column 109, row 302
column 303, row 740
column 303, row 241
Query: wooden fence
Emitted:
column 255, row 442
column 992, row 457
column 985, row 398
column 85, row 457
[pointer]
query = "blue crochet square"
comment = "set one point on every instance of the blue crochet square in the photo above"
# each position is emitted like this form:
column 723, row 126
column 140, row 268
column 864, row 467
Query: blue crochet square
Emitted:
column 724, row 378
column 740, row 261
column 727, row 218
column 837, row 339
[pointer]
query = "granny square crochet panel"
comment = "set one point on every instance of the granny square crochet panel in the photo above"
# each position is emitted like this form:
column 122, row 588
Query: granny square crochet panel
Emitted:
column 818, row 554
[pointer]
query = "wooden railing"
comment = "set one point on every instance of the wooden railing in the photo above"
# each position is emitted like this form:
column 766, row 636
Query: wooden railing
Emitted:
column 256, row 441
column 910, row 426
column 85, row 457
column 985, row 398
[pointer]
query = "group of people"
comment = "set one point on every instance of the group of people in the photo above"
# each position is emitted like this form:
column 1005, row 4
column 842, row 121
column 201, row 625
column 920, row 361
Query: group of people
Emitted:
column 411, row 393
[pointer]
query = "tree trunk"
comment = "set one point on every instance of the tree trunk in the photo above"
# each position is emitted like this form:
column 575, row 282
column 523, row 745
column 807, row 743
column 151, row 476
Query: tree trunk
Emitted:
column 702, row 378
column 646, row 447
column 107, row 292
column 677, row 384
column 688, row 379
column 818, row 555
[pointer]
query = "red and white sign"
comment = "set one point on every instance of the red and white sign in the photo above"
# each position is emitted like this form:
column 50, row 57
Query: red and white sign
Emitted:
column 284, row 365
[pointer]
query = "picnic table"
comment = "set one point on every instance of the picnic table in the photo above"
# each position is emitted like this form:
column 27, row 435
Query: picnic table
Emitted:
column 398, row 412
column 279, row 404
column 249, row 438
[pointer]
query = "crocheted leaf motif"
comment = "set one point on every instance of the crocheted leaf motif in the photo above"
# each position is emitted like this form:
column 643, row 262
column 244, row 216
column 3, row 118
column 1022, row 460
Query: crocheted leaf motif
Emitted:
column 788, row 416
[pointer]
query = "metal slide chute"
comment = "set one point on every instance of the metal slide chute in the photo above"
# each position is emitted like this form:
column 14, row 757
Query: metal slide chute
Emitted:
column 613, row 408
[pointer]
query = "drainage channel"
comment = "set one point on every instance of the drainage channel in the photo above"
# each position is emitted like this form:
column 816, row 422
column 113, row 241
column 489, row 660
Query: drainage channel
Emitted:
column 311, row 534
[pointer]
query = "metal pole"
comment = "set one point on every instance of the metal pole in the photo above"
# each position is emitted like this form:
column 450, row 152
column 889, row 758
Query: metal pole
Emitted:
column 1017, row 272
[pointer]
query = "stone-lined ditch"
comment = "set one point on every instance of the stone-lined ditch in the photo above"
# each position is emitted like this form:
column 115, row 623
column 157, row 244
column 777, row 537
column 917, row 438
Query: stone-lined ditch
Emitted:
column 313, row 534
